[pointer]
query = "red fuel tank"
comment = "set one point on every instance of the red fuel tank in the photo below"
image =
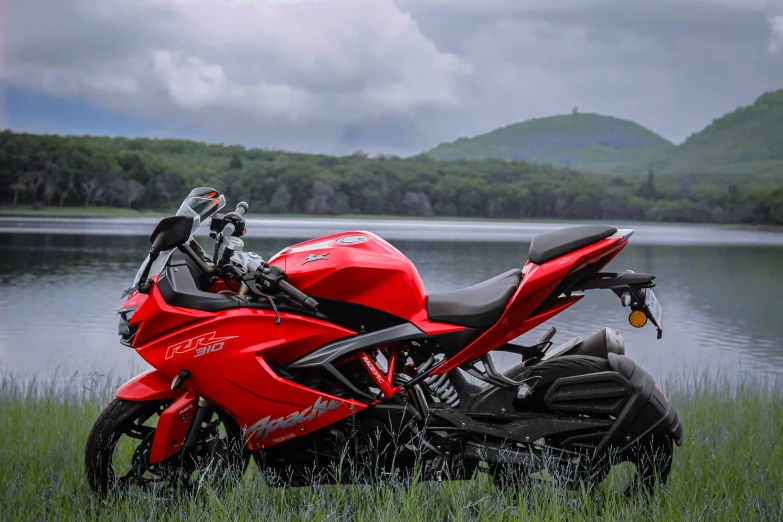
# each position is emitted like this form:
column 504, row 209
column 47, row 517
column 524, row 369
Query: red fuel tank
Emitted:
column 358, row 267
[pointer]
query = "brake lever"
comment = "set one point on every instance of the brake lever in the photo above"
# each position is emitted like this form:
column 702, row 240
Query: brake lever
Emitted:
column 274, row 307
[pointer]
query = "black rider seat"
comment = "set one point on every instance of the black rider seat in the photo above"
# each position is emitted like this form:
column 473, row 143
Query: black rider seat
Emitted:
column 546, row 247
column 478, row 306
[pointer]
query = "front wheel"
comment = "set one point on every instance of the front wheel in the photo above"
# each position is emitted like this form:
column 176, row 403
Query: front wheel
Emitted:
column 119, row 445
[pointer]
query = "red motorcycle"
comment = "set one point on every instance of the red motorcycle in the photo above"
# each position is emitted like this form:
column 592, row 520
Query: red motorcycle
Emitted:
column 330, row 363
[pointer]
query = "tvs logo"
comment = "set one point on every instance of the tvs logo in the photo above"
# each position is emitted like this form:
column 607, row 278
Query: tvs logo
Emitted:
column 203, row 344
column 263, row 428
column 313, row 257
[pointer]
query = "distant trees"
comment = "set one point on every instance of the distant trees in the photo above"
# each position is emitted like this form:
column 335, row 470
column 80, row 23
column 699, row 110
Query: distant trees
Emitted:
column 417, row 204
column 157, row 174
column 772, row 206
column 84, row 171
column 647, row 190
column 16, row 189
column 280, row 201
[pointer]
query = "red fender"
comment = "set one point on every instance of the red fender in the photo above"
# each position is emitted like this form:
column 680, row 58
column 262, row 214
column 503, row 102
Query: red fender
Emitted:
column 173, row 426
column 148, row 386
column 174, row 422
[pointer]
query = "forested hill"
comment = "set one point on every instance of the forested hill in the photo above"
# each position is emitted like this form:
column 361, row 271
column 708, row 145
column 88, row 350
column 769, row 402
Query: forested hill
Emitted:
column 583, row 141
column 156, row 174
column 749, row 139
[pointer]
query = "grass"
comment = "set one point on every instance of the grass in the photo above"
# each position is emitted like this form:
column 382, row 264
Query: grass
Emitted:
column 730, row 468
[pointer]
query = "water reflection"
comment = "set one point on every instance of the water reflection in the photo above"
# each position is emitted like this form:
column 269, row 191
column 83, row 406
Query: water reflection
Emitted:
column 59, row 293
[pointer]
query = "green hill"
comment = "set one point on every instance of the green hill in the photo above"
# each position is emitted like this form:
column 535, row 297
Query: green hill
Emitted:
column 582, row 141
column 747, row 140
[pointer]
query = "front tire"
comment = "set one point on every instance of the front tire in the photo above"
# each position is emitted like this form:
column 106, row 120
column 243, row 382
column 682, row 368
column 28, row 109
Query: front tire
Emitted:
column 119, row 445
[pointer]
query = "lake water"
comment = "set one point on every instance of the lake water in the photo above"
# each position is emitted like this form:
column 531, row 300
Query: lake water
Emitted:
column 721, row 290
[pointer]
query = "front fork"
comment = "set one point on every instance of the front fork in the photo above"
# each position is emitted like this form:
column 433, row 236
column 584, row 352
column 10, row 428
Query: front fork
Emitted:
column 179, row 426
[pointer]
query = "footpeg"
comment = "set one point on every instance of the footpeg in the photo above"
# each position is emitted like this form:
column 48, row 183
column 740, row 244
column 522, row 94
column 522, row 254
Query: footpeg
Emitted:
column 548, row 336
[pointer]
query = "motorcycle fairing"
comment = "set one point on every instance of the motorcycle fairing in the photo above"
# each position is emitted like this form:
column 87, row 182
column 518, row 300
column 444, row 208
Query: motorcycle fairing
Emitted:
column 268, row 407
column 326, row 356
column 319, row 410
column 156, row 318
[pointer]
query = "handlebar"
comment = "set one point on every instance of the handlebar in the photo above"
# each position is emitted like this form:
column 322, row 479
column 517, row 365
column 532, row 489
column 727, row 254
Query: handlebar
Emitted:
column 241, row 208
column 271, row 278
column 232, row 218
column 301, row 298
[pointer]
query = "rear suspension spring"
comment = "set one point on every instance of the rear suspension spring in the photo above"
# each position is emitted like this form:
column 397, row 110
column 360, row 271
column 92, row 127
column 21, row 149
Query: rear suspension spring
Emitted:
column 439, row 385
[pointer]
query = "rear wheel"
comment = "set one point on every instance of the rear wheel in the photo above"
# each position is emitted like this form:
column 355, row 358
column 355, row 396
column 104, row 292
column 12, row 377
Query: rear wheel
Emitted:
column 119, row 445
column 573, row 465
column 653, row 461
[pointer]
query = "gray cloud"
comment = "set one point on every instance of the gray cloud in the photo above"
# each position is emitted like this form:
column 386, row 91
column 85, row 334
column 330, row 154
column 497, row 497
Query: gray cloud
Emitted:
column 284, row 75
column 396, row 77
column 776, row 40
column 672, row 66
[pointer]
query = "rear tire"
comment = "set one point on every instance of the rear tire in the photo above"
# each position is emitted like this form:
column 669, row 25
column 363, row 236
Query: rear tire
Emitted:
column 652, row 456
column 653, row 462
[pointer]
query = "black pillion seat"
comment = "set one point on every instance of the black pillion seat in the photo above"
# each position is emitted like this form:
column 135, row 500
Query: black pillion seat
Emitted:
column 478, row 306
column 546, row 247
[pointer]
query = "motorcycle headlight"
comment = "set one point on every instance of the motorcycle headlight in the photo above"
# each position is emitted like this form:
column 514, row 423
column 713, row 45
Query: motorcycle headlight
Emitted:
column 125, row 330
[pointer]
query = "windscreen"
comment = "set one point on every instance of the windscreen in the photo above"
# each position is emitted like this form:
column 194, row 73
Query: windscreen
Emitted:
column 201, row 208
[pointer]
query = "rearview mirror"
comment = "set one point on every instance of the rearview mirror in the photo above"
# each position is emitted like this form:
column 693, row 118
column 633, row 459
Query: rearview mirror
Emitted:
column 170, row 233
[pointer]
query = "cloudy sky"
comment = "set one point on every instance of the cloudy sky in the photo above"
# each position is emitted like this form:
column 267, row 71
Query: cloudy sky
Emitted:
column 383, row 76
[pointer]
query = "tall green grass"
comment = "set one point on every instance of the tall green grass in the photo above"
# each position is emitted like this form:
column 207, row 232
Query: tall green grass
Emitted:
column 730, row 468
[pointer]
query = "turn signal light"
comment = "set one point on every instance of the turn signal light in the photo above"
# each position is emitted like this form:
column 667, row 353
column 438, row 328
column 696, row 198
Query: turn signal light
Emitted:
column 637, row 319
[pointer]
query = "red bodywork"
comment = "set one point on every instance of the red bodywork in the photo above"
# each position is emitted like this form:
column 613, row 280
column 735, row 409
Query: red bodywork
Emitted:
column 231, row 354
column 523, row 311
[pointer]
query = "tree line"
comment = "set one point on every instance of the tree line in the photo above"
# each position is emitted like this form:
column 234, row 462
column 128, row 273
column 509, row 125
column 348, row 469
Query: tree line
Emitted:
column 156, row 174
